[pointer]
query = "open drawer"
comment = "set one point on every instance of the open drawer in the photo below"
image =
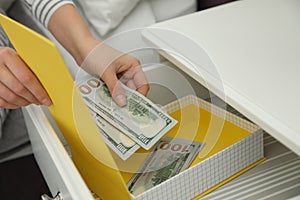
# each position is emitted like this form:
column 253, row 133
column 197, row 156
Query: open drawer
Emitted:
column 62, row 177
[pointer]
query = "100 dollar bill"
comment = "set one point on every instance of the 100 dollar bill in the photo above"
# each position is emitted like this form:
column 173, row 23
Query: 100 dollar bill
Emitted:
column 169, row 157
column 121, row 144
column 140, row 119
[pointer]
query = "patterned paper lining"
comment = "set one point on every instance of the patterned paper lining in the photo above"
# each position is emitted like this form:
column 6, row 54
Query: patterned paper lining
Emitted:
column 173, row 106
column 216, row 168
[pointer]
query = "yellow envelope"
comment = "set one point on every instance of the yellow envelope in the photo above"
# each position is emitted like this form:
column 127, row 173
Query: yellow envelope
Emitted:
column 89, row 152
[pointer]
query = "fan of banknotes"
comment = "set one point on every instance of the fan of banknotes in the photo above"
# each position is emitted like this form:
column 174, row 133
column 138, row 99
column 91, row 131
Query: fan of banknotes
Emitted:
column 125, row 129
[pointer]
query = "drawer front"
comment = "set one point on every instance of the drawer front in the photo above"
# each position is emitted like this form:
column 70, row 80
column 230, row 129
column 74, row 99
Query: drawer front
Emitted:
column 57, row 167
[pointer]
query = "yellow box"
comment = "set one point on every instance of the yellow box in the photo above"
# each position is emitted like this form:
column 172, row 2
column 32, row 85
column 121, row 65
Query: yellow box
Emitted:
column 232, row 146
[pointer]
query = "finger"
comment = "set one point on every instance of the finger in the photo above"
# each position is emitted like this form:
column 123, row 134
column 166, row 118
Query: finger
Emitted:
column 5, row 104
column 123, row 78
column 143, row 89
column 141, row 82
column 131, row 84
column 114, row 87
column 30, row 82
column 14, row 86
column 8, row 97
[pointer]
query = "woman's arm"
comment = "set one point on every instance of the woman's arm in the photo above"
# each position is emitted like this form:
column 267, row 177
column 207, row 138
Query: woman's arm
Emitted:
column 70, row 29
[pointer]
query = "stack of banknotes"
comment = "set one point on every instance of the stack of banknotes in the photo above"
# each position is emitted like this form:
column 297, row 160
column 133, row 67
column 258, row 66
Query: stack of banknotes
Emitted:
column 169, row 157
column 125, row 129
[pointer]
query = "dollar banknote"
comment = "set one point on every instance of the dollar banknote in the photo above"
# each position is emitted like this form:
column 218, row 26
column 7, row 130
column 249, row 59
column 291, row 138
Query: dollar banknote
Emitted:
column 141, row 120
column 169, row 157
column 121, row 144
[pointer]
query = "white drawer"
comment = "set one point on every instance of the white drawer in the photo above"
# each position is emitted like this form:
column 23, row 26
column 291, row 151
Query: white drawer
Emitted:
column 57, row 167
column 62, row 177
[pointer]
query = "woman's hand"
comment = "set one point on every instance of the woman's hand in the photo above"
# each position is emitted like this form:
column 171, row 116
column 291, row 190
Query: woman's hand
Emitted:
column 113, row 66
column 18, row 85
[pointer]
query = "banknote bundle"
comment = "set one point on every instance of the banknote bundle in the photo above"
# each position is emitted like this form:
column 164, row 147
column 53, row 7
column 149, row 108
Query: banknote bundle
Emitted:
column 169, row 157
column 138, row 124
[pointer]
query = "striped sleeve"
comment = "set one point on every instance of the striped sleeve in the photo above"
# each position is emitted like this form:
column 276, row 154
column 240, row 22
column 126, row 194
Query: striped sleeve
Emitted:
column 4, row 42
column 42, row 10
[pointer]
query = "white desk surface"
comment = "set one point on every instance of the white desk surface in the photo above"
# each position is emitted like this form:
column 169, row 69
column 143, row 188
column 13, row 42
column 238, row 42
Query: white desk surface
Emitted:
column 247, row 53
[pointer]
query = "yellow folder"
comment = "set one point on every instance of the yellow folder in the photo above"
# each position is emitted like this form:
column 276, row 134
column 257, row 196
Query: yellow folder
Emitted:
column 104, row 173
column 89, row 152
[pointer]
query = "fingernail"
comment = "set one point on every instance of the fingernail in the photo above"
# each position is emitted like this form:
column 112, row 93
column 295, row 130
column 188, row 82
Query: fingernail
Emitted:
column 121, row 100
column 46, row 102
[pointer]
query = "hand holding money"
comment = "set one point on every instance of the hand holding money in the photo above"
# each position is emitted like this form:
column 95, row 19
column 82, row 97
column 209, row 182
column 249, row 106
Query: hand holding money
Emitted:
column 113, row 67
column 141, row 120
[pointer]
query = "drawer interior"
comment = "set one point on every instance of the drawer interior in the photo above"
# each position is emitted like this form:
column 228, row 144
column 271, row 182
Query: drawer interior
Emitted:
column 276, row 178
